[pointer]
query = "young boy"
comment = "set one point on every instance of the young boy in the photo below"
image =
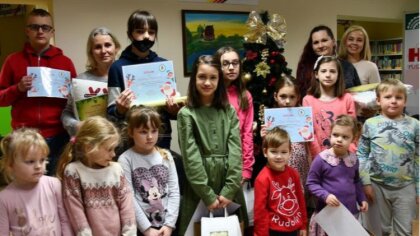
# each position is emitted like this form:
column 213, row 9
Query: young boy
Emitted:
column 279, row 206
column 36, row 112
column 389, row 156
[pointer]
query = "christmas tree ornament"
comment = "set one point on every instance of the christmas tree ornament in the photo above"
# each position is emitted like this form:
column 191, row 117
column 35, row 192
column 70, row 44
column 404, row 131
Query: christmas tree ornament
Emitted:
column 246, row 77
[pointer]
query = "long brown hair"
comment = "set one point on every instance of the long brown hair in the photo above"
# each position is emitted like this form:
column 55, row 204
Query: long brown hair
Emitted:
column 339, row 87
column 238, row 82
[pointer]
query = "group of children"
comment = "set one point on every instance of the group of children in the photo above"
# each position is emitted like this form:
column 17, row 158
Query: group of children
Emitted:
column 140, row 194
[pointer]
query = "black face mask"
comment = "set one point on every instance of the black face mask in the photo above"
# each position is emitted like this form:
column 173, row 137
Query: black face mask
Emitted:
column 143, row 45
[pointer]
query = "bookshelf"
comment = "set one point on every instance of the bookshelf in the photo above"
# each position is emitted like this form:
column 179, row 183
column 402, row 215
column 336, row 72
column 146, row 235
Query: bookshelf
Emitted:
column 388, row 56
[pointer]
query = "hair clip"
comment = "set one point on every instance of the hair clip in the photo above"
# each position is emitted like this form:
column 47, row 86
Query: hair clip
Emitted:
column 73, row 140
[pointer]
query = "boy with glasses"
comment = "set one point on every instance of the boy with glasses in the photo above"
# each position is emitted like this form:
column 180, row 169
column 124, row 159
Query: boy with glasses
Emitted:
column 42, row 113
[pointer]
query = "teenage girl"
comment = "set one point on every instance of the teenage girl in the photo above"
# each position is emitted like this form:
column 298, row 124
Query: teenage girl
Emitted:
column 328, row 99
column 142, row 29
column 32, row 203
column 208, row 132
column 334, row 174
column 240, row 98
column 152, row 174
column 287, row 95
column 95, row 190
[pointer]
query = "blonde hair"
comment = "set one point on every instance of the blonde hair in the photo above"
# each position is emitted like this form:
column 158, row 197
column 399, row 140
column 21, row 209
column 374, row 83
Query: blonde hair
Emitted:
column 17, row 144
column 365, row 54
column 275, row 138
column 391, row 84
column 95, row 131
column 91, row 63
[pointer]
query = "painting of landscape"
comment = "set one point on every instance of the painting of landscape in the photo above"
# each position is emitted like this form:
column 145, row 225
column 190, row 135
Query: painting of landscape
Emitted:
column 206, row 31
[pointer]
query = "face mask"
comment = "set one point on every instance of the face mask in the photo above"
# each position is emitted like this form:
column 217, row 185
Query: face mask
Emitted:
column 143, row 45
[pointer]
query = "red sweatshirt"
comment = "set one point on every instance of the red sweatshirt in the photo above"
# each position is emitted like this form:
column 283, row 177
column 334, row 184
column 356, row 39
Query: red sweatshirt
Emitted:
column 36, row 112
column 279, row 202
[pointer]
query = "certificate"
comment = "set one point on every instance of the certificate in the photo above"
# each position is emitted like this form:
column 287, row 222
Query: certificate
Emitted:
column 49, row 82
column 297, row 121
column 151, row 82
column 338, row 221
column 90, row 98
column 93, row 106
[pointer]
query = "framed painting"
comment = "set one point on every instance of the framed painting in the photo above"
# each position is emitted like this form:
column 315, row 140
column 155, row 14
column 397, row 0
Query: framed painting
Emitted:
column 203, row 32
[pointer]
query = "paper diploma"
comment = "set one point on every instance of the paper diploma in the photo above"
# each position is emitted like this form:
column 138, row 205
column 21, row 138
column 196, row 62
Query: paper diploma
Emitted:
column 338, row 221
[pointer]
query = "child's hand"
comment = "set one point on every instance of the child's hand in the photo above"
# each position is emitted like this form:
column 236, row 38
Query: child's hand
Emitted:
column 165, row 231
column 151, row 232
column 171, row 106
column 123, row 101
column 214, row 205
column 224, row 202
column 370, row 195
column 332, row 200
column 302, row 232
column 364, row 207
column 263, row 131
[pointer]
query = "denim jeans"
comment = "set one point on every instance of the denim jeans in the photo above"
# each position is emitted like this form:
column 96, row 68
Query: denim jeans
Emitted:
column 56, row 145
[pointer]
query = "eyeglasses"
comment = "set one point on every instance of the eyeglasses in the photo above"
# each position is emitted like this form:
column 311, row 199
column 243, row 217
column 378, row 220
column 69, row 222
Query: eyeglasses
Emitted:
column 226, row 64
column 35, row 27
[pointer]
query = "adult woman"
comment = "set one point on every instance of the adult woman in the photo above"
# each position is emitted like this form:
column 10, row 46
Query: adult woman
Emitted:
column 355, row 48
column 321, row 42
column 102, row 48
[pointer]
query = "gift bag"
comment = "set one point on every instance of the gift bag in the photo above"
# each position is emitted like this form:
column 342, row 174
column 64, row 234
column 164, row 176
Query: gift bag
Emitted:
column 249, row 200
column 220, row 226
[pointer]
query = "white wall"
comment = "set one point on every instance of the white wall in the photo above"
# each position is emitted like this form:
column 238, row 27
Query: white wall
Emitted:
column 74, row 19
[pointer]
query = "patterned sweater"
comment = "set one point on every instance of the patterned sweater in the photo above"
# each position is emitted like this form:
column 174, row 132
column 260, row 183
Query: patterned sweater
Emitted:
column 388, row 151
column 98, row 201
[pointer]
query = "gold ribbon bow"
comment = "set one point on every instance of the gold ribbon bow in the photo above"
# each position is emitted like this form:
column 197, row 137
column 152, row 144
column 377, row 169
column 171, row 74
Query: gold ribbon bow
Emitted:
column 257, row 31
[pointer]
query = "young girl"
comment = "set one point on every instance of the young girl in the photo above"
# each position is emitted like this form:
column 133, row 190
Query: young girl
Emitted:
column 32, row 203
column 328, row 99
column 208, row 132
column 241, row 100
column 287, row 95
column 142, row 29
column 334, row 174
column 279, row 203
column 94, row 187
column 152, row 174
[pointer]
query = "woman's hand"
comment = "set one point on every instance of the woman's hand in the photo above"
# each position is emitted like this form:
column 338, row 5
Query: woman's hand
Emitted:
column 165, row 231
column 214, row 205
column 123, row 101
column 364, row 206
column 152, row 232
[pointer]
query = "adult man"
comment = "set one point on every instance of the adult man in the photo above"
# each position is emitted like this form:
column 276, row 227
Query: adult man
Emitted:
column 37, row 112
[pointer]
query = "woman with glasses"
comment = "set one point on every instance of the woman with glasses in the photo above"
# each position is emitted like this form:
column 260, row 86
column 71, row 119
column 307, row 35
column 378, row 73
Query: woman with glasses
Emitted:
column 102, row 49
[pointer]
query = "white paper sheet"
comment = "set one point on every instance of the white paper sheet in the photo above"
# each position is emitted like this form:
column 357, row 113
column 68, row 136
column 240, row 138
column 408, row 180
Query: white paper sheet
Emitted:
column 338, row 221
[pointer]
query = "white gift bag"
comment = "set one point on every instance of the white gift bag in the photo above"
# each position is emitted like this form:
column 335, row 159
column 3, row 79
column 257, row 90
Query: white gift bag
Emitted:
column 220, row 226
column 249, row 200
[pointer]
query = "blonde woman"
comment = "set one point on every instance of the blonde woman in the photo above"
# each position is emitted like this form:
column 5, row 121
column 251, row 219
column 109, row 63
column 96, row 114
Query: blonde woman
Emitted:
column 355, row 48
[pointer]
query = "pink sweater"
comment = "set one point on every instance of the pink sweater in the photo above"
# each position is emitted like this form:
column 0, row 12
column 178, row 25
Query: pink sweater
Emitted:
column 324, row 113
column 36, row 211
column 246, row 118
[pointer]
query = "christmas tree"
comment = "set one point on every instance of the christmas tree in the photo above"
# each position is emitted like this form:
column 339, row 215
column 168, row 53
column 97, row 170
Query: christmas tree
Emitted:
column 264, row 63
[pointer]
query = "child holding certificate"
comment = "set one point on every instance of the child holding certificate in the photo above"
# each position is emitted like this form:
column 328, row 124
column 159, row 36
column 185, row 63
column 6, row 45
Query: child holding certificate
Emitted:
column 142, row 32
column 287, row 95
column 279, row 203
column 334, row 174
column 151, row 172
column 208, row 132
column 328, row 99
